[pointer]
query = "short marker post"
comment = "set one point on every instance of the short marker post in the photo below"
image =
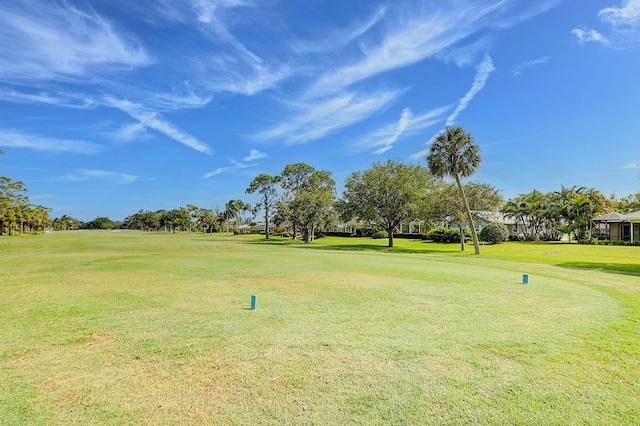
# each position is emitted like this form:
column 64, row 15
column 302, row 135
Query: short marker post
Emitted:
column 254, row 300
column 525, row 279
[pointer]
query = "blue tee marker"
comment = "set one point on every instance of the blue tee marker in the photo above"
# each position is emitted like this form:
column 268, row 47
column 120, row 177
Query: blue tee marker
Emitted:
column 525, row 279
column 254, row 300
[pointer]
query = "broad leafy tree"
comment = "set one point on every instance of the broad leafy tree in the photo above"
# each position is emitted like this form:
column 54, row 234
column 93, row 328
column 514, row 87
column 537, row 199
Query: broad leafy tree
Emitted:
column 312, row 205
column 387, row 194
column 100, row 222
column 445, row 203
column 266, row 186
column 66, row 223
column 295, row 177
column 454, row 154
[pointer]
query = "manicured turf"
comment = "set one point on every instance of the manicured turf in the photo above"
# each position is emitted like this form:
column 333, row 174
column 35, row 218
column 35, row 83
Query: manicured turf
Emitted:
column 132, row 328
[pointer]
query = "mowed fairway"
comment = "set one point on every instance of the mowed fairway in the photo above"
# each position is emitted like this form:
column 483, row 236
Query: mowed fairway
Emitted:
column 132, row 328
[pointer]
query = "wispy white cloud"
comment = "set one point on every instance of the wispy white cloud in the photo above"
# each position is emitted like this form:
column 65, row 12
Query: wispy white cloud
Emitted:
column 385, row 137
column 88, row 174
column 403, row 123
column 585, row 36
column 63, row 99
column 483, row 70
column 58, row 42
column 254, row 154
column 322, row 118
column 16, row 139
column 230, row 77
column 212, row 12
column 627, row 14
column 530, row 64
column 131, row 132
column 153, row 120
column 332, row 40
column 466, row 54
column 482, row 74
column 236, row 166
column 416, row 37
column 624, row 27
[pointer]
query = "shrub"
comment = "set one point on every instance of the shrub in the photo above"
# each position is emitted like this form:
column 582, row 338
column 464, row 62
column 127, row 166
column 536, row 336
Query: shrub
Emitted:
column 339, row 234
column 379, row 235
column 494, row 233
column 409, row 236
column 447, row 235
column 364, row 232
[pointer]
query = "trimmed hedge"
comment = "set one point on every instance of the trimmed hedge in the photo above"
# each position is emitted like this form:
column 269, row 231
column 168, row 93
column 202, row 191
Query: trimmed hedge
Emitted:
column 339, row 234
column 447, row 235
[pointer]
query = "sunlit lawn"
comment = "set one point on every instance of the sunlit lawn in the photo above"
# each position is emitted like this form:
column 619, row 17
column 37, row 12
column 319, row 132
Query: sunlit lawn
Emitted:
column 613, row 258
column 132, row 328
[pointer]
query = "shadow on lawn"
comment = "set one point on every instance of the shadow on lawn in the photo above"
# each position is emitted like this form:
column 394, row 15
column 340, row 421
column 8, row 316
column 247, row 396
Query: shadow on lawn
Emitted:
column 354, row 247
column 612, row 268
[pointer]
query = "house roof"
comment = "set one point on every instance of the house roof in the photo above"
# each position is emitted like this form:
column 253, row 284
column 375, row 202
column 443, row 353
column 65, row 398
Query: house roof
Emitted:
column 614, row 217
column 609, row 217
column 497, row 217
column 633, row 216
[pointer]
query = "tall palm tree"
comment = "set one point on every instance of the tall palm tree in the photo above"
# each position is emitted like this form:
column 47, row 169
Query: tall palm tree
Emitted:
column 454, row 154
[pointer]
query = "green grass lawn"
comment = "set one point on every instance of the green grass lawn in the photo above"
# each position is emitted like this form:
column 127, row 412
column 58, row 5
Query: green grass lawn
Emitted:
column 132, row 328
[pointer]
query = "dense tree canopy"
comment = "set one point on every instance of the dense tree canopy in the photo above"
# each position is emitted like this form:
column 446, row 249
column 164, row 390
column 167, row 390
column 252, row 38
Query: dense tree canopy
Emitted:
column 388, row 194
column 265, row 185
column 445, row 204
column 17, row 214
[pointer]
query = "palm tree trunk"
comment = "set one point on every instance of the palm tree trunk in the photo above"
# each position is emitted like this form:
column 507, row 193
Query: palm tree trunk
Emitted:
column 474, row 234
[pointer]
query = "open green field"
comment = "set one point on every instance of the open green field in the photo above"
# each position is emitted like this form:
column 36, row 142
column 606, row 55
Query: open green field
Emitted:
column 131, row 328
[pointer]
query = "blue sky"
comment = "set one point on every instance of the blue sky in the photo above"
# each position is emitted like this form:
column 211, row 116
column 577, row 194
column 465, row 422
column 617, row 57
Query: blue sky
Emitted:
column 111, row 106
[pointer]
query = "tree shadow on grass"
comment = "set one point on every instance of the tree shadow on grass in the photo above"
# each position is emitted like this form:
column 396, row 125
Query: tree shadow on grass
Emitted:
column 612, row 268
column 356, row 246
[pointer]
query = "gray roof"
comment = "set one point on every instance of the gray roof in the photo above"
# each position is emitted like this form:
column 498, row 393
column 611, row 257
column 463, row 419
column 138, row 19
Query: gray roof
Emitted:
column 632, row 216
column 614, row 217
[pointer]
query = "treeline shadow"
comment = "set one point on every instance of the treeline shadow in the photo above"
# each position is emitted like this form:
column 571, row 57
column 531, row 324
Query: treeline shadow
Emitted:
column 360, row 246
column 612, row 268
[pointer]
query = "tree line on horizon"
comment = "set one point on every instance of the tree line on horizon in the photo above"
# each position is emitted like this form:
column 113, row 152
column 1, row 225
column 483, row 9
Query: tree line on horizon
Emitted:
column 385, row 196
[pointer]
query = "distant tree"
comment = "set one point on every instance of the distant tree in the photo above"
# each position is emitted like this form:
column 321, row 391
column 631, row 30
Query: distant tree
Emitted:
column 533, row 212
column 577, row 205
column 445, row 203
column 265, row 185
column 13, row 203
column 387, row 194
column 193, row 216
column 38, row 218
column 247, row 209
column 454, row 154
column 180, row 219
column 628, row 204
column 232, row 212
column 66, row 223
column 207, row 220
column 100, row 223
column 295, row 177
column 312, row 205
